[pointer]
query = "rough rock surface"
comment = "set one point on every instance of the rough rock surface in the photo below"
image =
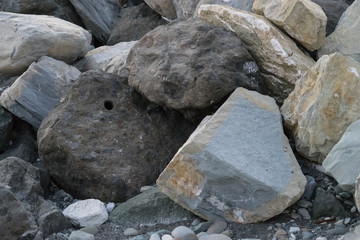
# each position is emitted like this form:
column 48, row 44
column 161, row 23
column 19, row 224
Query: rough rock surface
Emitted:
column 137, row 139
column 133, row 23
column 345, row 38
column 342, row 162
column 39, row 89
column 26, row 38
column 357, row 192
column 193, row 72
column 245, row 5
column 323, row 104
column 6, row 123
column 163, row 7
column 185, row 8
column 326, row 205
column 303, row 20
column 148, row 208
column 237, row 166
column 281, row 62
column 97, row 16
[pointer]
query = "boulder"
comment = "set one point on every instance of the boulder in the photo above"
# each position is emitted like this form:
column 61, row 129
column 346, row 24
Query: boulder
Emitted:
column 97, row 16
column 323, row 104
column 60, row 8
column 133, row 23
column 357, row 192
column 345, row 38
column 148, row 208
column 192, row 73
column 303, row 20
column 342, row 161
column 280, row 61
column 85, row 213
column 245, row 5
column 185, row 8
column 326, row 205
column 39, row 89
column 80, row 235
column 238, row 166
column 26, row 38
column 137, row 139
column 163, row 7
column 333, row 10
column 6, row 123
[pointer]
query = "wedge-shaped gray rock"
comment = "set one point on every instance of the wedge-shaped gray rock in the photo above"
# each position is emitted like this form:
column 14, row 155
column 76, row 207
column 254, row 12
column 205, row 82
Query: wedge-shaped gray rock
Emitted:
column 238, row 165
column 345, row 38
column 343, row 160
column 39, row 89
column 323, row 105
column 185, row 8
column 26, row 38
column 245, row 5
column 281, row 62
column 163, row 7
column 303, row 20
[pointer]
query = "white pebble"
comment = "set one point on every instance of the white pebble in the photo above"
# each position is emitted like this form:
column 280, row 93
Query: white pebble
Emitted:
column 155, row 236
column 321, row 238
column 347, row 220
column 110, row 206
column 167, row 237
column 294, row 230
column 131, row 232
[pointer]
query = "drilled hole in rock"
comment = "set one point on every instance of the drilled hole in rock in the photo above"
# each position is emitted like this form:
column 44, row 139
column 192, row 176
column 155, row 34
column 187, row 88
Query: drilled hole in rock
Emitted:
column 108, row 105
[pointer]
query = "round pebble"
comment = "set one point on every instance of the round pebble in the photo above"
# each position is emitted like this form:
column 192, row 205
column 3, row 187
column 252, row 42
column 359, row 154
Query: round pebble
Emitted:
column 146, row 188
column 91, row 229
column 131, row 232
column 183, row 233
column 304, row 213
column 346, row 195
column 294, row 230
column 155, row 236
column 215, row 237
column 353, row 209
column 217, row 227
column 228, row 233
column 110, row 206
column 347, row 221
column 307, row 235
column 167, row 237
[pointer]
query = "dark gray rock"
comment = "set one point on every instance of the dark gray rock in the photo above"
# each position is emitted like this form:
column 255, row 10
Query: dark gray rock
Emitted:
column 326, row 205
column 185, row 8
column 97, row 16
column 148, row 208
column 310, row 187
column 163, row 7
column 192, row 73
column 105, row 140
column 133, row 23
column 6, row 123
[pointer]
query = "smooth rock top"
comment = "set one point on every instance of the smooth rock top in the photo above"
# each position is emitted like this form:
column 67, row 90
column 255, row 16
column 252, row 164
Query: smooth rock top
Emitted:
column 237, row 166
column 245, row 5
column 323, row 104
column 163, row 7
column 25, row 38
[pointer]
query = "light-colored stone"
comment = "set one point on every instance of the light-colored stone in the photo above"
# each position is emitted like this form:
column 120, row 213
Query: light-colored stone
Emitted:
column 185, row 8
column 323, row 104
column 242, row 5
column 91, row 229
column 131, row 232
column 183, row 233
column 110, row 206
column 345, row 38
column 167, row 237
column 32, row 96
column 155, row 236
column 80, row 235
column 84, row 213
column 217, row 227
column 342, row 162
column 303, row 20
column 163, row 7
column 281, row 62
column 215, row 237
column 254, row 174
column 26, row 38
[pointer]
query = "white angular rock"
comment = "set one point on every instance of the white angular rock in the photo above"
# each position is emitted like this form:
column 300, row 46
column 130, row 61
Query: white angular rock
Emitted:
column 84, row 213
column 342, row 162
column 345, row 38
column 303, row 20
column 25, row 38
column 323, row 104
column 281, row 62
column 237, row 166
column 32, row 96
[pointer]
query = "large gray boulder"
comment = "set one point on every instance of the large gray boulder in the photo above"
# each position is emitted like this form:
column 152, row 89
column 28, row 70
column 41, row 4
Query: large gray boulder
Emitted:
column 191, row 73
column 97, row 16
column 39, row 89
column 26, row 38
column 245, row 5
column 237, row 166
column 105, row 141
column 345, row 38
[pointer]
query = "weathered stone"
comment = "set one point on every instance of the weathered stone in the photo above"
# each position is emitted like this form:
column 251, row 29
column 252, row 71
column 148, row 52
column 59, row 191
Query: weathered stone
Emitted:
column 326, row 205
column 194, row 72
column 59, row 8
column 148, row 208
column 215, row 237
column 85, row 213
column 221, row 172
column 97, row 16
column 183, row 233
column 345, row 38
column 133, row 23
column 137, row 139
column 342, row 161
column 39, row 89
column 163, row 7
column 333, row 10
column 303, row 20
column 245, row 5
column 357, row 192
column 26, row 38
column 323, row 104
column 14, row 219
column 80, row 235
column 353, row 234
column 6, row 123
column 185, row 8
column 281, row 62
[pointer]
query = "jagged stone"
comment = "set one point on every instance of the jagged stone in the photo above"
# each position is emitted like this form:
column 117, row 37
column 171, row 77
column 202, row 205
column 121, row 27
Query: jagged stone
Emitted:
column 6, row 123
column 238, row 166
column 323, row 104
column 280, row 61
column 326, row 205
column 245, row 5
column 163, row 7
column 185, row 8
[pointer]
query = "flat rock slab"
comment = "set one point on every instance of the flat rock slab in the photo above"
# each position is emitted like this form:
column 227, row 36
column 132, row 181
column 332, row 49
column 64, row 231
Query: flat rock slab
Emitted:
column 105, row 141
column 323, row 105
column 32, row 96
column 26, row 38
column 238, row 166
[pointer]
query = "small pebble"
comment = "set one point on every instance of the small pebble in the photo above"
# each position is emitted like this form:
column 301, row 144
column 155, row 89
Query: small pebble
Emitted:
column 167, row 237
column 201, row 227
column 280, row 233
column 110, row 206
column 145, row 188
column 321, row 238
column 91, row 229
column 337, row 231
column 295, row 215
column 131, row 232
column 339, row 222
column 181, row 232
column 304, row 204
column 270, row 228
column 347, row 220
column 215, row 237
column 353, row 209
column 196, row 222
column 217, row 227
column 200, row 234
column 80, row 235
column 228, row 233
column 307, row 235
column 304, row 213
column 294, row 230
column 346, row 195
column 349, row 203
column 155, row 236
